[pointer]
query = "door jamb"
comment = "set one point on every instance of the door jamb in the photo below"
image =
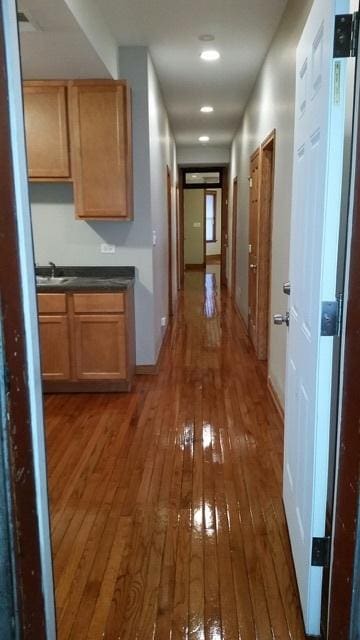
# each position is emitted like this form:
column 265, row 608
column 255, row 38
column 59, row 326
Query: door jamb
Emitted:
column 266, row 197
column 233, row 236
column 170, row 270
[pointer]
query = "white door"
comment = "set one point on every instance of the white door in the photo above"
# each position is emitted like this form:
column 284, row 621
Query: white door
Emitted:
column 317, row 184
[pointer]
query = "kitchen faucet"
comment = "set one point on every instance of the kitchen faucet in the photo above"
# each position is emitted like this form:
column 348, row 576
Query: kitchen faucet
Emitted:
column 53, row 268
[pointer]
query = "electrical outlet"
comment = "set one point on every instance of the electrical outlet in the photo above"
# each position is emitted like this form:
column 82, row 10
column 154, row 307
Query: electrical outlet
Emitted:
column 107, row 248
column 163, row 321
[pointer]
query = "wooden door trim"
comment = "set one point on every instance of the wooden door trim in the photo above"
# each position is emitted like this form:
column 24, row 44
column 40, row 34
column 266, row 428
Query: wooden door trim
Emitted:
column 266, row 197
column 25, row 525
column 224, row 204
column 224, row 227
column 233, row 236
column 170, row 252
column 256, row 154
column 343, row 578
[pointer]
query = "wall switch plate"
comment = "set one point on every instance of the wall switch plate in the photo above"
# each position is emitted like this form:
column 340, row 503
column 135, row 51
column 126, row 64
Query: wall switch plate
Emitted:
column 163, row 321
column 154, row 238
column 107, row 248
column 197, row 225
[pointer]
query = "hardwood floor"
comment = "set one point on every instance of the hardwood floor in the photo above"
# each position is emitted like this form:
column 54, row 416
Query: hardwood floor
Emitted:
column 166, row 505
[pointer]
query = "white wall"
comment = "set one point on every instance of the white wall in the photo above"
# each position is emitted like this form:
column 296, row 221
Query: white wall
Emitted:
column 214, row 248
column 89, row 17
column 203, row 154
column 162, row 155
column 271, row 106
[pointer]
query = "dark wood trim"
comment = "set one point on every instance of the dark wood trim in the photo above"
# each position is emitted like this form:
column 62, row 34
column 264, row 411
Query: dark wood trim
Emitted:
column 224, row 228
column 347, row 494
column 178, row 282
column 233, row 236
column 266, row 197
column 202, row 169
column 181, row 229
column 25, row 524
column 195, row 267
column 170, row 253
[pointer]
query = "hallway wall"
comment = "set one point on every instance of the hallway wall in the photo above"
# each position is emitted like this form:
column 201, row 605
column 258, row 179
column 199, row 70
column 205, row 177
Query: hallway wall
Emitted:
column 271, row 106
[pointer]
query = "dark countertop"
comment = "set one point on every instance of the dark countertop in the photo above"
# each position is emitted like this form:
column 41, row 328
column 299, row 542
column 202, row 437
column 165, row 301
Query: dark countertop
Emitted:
column 102, row 279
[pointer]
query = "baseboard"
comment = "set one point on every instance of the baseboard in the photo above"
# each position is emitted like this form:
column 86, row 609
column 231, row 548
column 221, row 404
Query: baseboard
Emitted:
column 240, row 316
column 276, row 400
column 153, row 369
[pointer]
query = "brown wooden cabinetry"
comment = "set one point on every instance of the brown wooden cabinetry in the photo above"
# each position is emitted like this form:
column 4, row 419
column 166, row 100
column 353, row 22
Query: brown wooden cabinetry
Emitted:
column 87, row 341
column 54, row 336
column 46, row 126
column 101, row 149
column 89, row 121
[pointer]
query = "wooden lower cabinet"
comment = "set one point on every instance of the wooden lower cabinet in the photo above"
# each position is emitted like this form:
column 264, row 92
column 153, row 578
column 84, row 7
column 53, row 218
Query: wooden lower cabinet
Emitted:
column 90, row 346
column 100, row 350
column 55, row 347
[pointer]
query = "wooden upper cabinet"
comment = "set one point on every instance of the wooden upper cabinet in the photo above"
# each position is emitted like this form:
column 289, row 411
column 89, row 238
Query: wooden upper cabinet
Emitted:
column 46, row 127
column 101, row 149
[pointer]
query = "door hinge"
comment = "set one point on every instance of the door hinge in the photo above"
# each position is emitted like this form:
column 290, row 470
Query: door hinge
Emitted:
column 320, row 552
column 346, row 35
column 331, row 316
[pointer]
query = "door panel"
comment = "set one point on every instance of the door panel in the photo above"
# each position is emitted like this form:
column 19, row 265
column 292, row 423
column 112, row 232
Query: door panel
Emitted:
column 317, row 185
column 100, row 350
column 253, row 244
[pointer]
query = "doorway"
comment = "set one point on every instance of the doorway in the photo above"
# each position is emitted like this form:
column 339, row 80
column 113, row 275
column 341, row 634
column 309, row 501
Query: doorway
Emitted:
column 233, row 237
column 203, row 208
column 170, row 270
column 261, row 186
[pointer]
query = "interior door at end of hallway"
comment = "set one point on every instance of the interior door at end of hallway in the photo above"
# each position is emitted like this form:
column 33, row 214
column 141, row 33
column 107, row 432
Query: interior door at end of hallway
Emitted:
column 317, row 189
column 253, row 244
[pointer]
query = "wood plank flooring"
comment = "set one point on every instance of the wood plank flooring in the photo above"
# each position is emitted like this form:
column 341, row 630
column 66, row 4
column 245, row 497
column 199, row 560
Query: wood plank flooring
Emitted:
column 167, row 517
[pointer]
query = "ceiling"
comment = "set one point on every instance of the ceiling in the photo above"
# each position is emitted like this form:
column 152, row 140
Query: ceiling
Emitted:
column 243, row 30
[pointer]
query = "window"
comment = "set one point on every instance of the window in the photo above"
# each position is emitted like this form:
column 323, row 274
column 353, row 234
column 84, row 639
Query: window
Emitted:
column 210, row 215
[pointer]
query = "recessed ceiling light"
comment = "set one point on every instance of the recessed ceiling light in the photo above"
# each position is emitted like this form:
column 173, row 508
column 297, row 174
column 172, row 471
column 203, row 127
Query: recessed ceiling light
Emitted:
column 204, row 139
column 206, row 37
column 210, row 55
column 194, row 175
column 207, row 109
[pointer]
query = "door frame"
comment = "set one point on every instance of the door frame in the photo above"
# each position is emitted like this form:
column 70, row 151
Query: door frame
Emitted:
column 33, row 582
column 266, row 198
column 223, row 170
column 344, row 591
column 235, row 187
column 266, row 153
column 170, row 251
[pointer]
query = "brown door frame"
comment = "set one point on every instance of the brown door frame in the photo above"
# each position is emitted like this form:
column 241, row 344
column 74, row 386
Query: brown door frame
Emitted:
column 224, row 210
column 266, row 178
column 266, row 153
column 233, row 236
column 170, row 252
column 224, row 228
column 25, row 525
column 344, row 580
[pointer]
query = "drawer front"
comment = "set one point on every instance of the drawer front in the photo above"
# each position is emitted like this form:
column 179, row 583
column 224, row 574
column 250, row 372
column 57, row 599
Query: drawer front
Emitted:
column 52, row 302
column 99, row 302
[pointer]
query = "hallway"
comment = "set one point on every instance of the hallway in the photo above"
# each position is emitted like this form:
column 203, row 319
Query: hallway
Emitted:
column 166, row 506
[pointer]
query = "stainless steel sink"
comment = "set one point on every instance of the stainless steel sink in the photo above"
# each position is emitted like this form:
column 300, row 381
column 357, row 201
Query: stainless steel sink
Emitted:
column 51, row 280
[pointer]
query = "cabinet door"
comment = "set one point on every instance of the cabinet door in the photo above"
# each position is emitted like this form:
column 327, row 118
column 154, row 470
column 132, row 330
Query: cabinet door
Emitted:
column 46, row 130
column 100, row 347
column 101, row 149
column 55, row 347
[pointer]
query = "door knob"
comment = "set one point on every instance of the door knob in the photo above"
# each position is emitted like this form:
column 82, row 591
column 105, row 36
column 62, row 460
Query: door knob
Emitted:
column 286, row 288
column 280, row 319
column 253, row 267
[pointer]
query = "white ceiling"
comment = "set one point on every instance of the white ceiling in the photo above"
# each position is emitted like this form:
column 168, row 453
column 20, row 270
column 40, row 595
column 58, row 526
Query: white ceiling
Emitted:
column 243, row 31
